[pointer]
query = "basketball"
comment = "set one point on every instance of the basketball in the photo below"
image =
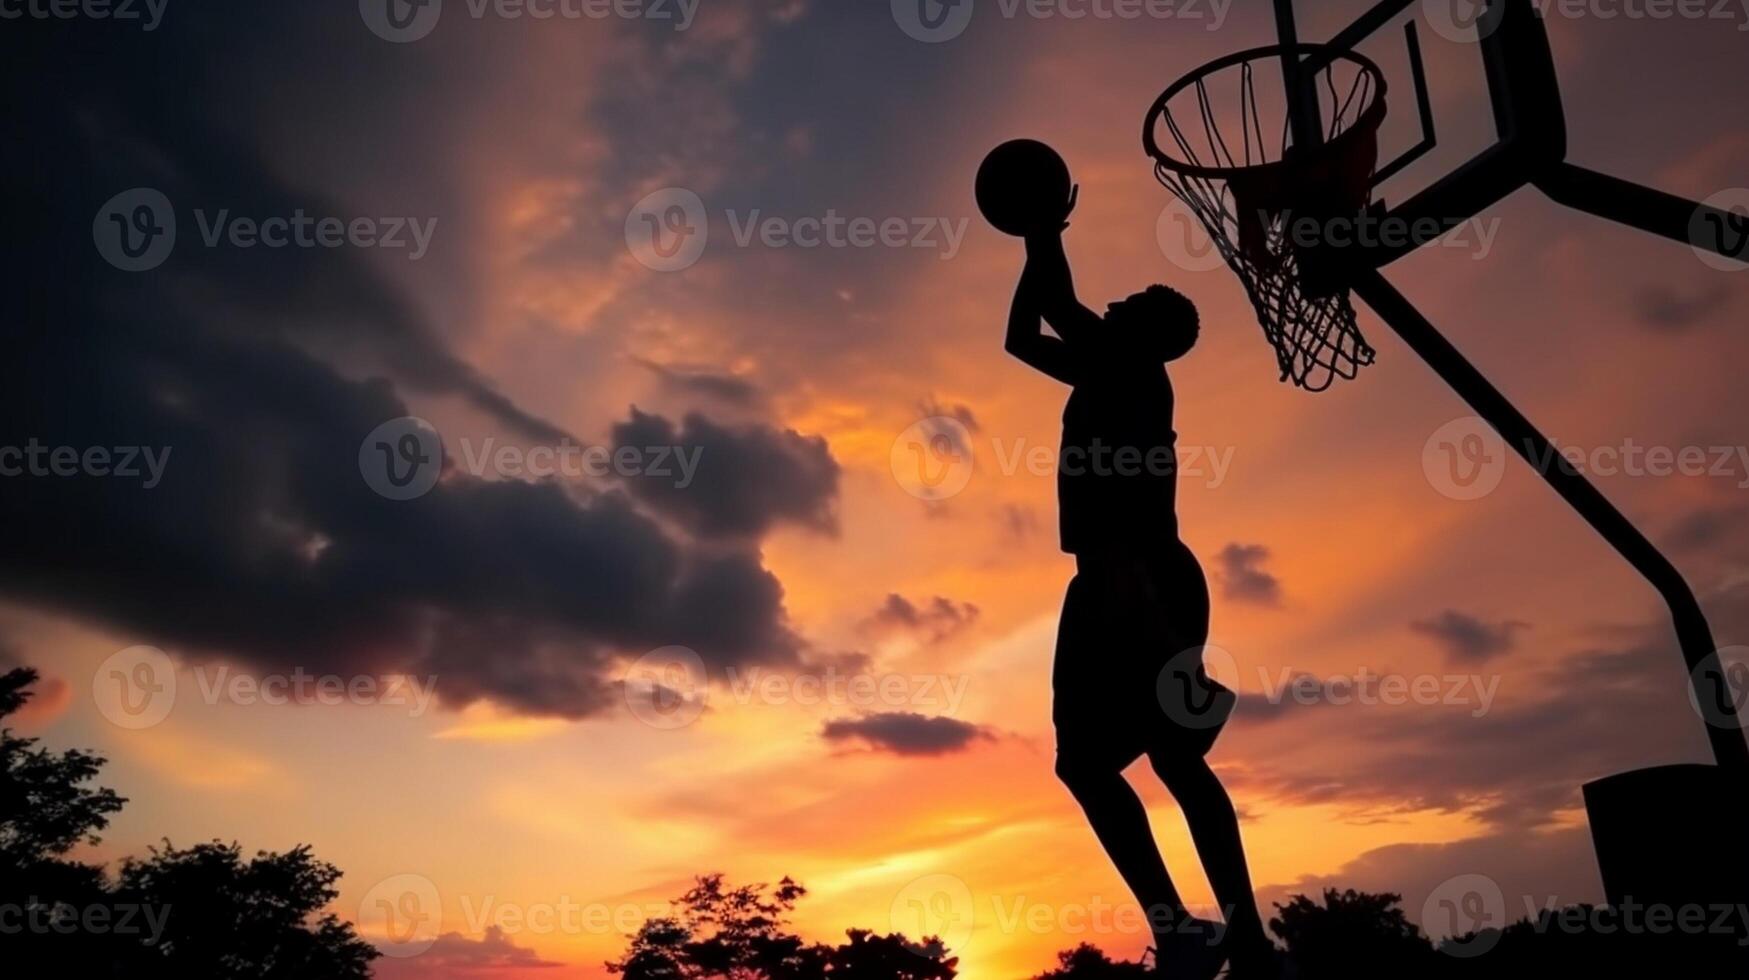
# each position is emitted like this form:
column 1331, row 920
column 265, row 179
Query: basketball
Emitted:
column 1022, row 187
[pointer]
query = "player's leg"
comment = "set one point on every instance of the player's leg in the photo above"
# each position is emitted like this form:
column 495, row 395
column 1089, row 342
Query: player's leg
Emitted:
column 1120, row 822
column 1181, row 591
column 1214, row 827
column 1091, row 755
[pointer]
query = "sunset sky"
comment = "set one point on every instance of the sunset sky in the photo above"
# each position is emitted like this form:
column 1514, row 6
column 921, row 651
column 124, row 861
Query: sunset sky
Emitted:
column 803, row 554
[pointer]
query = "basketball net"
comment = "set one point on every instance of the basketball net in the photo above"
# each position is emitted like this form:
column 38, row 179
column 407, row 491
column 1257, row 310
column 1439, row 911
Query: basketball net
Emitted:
column 1256, row 208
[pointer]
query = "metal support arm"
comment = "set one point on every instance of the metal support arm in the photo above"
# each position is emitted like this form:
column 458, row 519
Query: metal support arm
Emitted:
column 1692, row 630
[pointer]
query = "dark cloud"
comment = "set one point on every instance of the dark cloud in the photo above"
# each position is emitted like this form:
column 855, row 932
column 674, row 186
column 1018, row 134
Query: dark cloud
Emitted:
column 933, row 622
column 906, row 733
column 1469, row 639
column 1705, row 528
column 100, row 136
column 1018, row 522
column 950, row 410
column 748, row 478
column 263, row 544
column 453, row 951
column 692, row 380
column 1517, row 764
column 1242, row 576
column 1275, row 705
column 1663, row 309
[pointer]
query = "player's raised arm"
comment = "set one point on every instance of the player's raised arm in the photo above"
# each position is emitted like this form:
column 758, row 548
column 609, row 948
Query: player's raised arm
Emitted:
column 1028, row 342
column 1024, row 189
column 1048, row 278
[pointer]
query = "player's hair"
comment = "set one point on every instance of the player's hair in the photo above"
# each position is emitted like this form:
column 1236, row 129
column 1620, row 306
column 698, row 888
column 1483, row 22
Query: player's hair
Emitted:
column 1169, row 307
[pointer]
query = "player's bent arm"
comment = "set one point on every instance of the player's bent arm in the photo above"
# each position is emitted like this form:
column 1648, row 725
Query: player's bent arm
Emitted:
column 1028, row 343
column 1048, row 278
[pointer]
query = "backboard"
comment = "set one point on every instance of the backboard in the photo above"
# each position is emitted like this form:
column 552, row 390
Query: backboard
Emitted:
column 1503, row 48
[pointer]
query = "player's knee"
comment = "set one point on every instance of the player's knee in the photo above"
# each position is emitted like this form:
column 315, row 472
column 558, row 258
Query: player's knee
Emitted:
column 1084, row 776
column 1186, row 776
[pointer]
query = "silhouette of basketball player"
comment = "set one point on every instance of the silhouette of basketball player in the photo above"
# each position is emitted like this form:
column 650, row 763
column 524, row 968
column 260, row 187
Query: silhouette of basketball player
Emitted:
column 1139, row 600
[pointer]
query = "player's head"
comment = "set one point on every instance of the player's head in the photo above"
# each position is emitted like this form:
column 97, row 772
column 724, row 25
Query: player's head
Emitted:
column 1162, row 314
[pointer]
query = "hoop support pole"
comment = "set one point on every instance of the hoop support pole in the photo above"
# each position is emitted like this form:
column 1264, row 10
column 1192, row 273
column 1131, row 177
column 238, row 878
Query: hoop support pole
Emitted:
column 1305, row 116
column 1706, row 675
column 1638, row 206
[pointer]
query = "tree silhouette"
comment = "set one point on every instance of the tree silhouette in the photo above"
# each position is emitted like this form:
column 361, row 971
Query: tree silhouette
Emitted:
column 45, row 808
column 1355, row 935
column 1088, row 962
column 200, row 912
column 740, row 933
column 1352, row 935
column 868, row 956
column 233, row 918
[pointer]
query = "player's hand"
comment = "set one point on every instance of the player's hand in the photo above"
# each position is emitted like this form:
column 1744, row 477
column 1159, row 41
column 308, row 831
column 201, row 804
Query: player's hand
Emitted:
column 1069, row 207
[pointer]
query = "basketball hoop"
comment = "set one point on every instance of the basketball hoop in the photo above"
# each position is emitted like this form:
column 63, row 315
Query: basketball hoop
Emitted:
column 1253, row 202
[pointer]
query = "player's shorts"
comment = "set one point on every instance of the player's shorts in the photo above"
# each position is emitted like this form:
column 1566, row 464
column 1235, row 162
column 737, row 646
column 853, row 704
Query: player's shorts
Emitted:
column 1123, row 682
